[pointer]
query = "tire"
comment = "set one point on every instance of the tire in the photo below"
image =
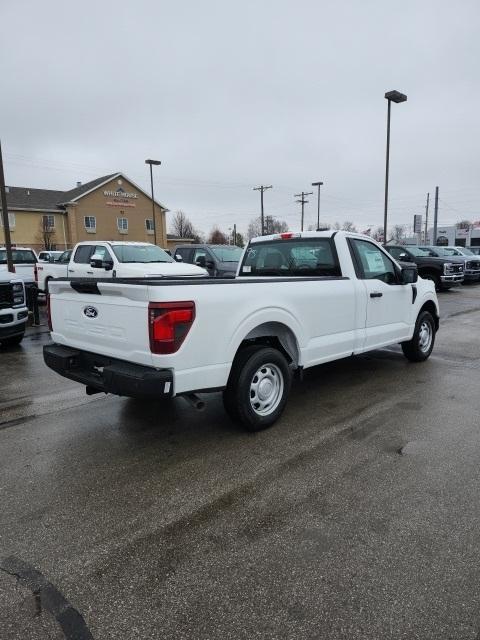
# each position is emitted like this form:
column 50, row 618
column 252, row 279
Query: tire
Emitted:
column 11, row 342
column 435, row 279
column 247, row 403
column 420, row 346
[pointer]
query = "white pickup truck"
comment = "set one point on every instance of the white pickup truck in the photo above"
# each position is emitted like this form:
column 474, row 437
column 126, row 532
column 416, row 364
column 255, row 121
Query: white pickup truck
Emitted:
column 13, row 309
column 298, row 300
column 24, row 262
column 113, row 260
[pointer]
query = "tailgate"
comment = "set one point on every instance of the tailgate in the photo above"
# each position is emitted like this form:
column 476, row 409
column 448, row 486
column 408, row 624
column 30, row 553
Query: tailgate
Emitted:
column 106, row 318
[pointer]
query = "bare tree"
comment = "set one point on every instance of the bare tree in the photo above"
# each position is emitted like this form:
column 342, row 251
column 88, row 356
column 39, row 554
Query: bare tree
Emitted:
column 47, row 232
column 377, row 234
column 217, row 237
column 464, row 224
column 272, row 225
column 349, row 226
column 181, row 226
column 398, row 234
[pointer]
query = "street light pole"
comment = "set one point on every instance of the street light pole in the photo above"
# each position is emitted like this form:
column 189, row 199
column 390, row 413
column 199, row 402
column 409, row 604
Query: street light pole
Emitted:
column 397, row 97
column 151, row 163
column 318, row 184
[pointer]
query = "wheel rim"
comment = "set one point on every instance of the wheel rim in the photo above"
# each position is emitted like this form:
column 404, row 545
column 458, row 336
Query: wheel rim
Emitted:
column 425, row 336
column 266, row 389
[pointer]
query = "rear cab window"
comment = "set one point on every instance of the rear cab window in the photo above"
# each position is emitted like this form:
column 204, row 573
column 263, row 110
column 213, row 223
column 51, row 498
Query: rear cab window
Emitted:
column 314, row 257
column 19, row 256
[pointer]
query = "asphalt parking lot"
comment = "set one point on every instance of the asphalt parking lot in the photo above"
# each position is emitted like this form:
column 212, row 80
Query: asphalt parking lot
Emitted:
column 356, row 516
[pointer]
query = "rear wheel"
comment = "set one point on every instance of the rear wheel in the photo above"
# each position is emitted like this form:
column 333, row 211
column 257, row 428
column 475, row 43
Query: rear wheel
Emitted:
column 420, row 346
column 258, row 387
column 13, row 341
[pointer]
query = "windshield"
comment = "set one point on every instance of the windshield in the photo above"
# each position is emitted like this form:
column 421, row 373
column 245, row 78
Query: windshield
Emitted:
column 142, row 253
column 419, row 253
column 227, row 254
column 442, row 251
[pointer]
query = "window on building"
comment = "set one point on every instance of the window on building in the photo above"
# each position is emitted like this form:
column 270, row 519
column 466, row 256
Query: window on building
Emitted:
column 149, row 224
column 49, row 222
column 90, row 223
column 11, row 220
column 122, row 225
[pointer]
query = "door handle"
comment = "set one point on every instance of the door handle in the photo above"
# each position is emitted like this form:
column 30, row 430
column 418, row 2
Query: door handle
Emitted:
column 376, row 294
column 90, row 273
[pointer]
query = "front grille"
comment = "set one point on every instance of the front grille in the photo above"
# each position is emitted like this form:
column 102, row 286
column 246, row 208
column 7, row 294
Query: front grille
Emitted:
column 456, row 268
column 473, row 264
column 6, row 295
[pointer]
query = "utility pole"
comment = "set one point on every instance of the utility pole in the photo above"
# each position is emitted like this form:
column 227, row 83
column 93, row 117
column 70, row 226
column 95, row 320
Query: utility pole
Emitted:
column 6, row 224
column 426, row 219
column 262, row 188
column 435, row 218
column 303, row 202
column 235, row 234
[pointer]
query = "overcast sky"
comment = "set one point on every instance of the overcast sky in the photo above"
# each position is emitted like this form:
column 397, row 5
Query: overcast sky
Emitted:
column 229, row 95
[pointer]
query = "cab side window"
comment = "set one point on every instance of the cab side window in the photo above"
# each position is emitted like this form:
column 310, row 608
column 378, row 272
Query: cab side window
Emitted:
column 83, row 253
column 372, row 263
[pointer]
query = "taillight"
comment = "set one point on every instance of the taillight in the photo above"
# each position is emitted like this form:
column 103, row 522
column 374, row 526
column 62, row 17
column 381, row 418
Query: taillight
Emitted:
column 35, row 271
column 169, row 324
column 49, row 313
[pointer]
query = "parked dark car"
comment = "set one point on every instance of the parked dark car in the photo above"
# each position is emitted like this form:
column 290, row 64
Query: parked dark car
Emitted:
column 472, row 264
column 220, row 260
column 445, row 272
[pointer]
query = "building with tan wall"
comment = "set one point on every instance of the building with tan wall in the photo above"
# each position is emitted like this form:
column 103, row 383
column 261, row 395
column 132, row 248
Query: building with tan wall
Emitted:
column 108, row 208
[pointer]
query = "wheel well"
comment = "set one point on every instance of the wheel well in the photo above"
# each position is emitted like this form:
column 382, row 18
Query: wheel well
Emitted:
column 430, row 306
column 428, row 272
column 276, row 335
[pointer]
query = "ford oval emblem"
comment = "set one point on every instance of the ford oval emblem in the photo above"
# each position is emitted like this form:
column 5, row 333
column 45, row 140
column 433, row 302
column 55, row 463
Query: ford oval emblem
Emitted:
column 90, row 312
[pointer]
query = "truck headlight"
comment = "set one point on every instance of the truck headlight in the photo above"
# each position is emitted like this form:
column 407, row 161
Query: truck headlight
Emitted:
column 447, row 267
column 18, row 293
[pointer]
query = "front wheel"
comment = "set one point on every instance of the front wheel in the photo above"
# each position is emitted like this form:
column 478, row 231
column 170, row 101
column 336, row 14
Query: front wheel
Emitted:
column 420, row 346
column 258, row 387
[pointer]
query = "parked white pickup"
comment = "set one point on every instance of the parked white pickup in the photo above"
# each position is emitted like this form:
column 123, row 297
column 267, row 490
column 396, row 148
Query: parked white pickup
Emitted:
column 113, row 260
column 298, row 300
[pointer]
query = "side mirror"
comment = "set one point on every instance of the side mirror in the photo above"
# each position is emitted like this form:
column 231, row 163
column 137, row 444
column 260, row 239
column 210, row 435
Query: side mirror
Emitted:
column 96, row 262
column 209, row 264
column 178, row 257
column 201, row 262
column 409, row 275
column 404, row 256
column 107, row 265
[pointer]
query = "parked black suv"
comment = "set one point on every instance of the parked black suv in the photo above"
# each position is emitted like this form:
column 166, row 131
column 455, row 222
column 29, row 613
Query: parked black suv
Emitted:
column 220, row 260
column 445, row 272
